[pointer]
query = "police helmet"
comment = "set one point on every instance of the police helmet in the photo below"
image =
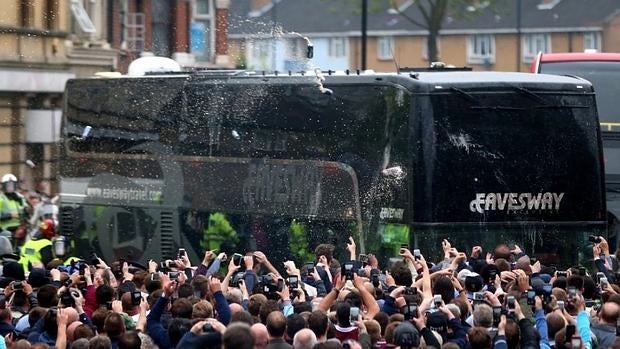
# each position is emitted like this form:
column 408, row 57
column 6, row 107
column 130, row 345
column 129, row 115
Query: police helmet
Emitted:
column 9, row 183
column 9, row 177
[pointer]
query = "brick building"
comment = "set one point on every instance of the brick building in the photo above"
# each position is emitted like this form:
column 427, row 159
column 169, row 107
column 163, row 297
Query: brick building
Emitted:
column 194, row 33
column 43, row 43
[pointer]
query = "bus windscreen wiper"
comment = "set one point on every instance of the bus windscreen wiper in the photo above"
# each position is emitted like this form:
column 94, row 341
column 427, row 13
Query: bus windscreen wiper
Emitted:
column 561, row 106
column 530, row 94
column 466, row 95
column 496, row 107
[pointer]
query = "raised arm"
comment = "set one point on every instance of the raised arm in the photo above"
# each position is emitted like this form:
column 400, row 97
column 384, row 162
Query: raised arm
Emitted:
column 367, row 298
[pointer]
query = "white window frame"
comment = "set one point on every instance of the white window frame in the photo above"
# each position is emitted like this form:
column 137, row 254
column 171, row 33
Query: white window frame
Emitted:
column 260, row 48
column 475, row 45
column 337, row 47
column 385, row 48
column 534, row 43
column 590, row 38
column 210, row 17
column 82, row 17
column 134, row 31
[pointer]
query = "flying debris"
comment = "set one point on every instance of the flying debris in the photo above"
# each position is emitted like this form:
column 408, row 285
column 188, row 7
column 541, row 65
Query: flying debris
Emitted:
column 86, row 131
column 395, row 171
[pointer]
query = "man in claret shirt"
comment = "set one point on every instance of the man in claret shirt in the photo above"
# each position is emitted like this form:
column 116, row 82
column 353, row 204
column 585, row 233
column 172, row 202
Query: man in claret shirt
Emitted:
column 345, row 330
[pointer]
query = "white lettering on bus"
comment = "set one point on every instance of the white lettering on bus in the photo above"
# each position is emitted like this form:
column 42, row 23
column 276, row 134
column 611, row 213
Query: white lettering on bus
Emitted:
column 515, row 201
column 124, row 194
column 391, row 213
column 282, row 186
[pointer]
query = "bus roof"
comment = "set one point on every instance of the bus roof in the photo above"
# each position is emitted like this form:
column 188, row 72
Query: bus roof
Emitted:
column 407, row 78
column 497, row 77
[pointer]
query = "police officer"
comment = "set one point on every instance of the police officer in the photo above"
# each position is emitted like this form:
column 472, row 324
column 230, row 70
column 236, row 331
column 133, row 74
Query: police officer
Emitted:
column 12, row 204
column 39, row 250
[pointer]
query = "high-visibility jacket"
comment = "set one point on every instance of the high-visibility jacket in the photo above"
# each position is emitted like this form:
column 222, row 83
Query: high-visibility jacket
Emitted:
column 31, row 253
column 218, row 232
column 10, row 208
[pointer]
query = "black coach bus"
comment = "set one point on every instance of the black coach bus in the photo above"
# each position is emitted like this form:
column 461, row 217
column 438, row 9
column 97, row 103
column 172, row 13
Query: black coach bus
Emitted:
column 240, row 161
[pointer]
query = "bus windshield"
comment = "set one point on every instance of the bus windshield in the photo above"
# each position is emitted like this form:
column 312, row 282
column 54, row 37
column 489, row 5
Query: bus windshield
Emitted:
column 485, row 144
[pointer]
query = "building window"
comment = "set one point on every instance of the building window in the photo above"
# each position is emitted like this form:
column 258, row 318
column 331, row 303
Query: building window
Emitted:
column 337, row 47
column 202, row 30
column 26, row 13
column 385, row 48
column 161, row 25
column 260, row 49
column 592, row 41
column 134, row 31
column 481, row 49
column 82, row 22
column 535, row 43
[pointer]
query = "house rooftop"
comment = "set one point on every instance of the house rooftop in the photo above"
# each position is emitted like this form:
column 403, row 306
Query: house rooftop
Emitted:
column 317, row 17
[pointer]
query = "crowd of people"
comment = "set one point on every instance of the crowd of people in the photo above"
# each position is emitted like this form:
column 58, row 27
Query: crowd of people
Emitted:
column 498, row 299
column 21, row 214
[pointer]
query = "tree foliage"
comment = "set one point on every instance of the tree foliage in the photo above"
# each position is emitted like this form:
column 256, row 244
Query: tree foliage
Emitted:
column 433, row 14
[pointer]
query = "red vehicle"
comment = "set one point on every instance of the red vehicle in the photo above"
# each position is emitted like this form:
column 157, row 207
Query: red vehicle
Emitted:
column 603, row 71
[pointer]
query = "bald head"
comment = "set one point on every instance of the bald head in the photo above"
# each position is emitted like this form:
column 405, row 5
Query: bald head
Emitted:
column 304, row 339
column 609, row 313
column 235, row 308
column 72, row 315
column 276, row 324
column 71, row 329
column 261, row 336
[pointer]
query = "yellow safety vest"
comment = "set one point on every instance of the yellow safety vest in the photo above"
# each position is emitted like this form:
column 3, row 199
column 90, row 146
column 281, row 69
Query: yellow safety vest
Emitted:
column 31, row 253
column 10, row 207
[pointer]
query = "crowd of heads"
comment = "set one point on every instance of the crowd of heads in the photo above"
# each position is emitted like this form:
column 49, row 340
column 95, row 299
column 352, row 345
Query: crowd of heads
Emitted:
column 474, row 299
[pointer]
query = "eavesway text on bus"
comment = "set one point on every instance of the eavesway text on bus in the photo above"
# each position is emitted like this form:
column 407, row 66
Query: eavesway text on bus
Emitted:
column 515, row 201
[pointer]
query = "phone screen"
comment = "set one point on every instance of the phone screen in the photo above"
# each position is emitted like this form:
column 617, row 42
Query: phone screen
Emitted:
column 237, row 258
column 572, row 292
column 293, row 282
column 530, row 297
column 136, row 297
column 511, row 302
column 354, row 313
